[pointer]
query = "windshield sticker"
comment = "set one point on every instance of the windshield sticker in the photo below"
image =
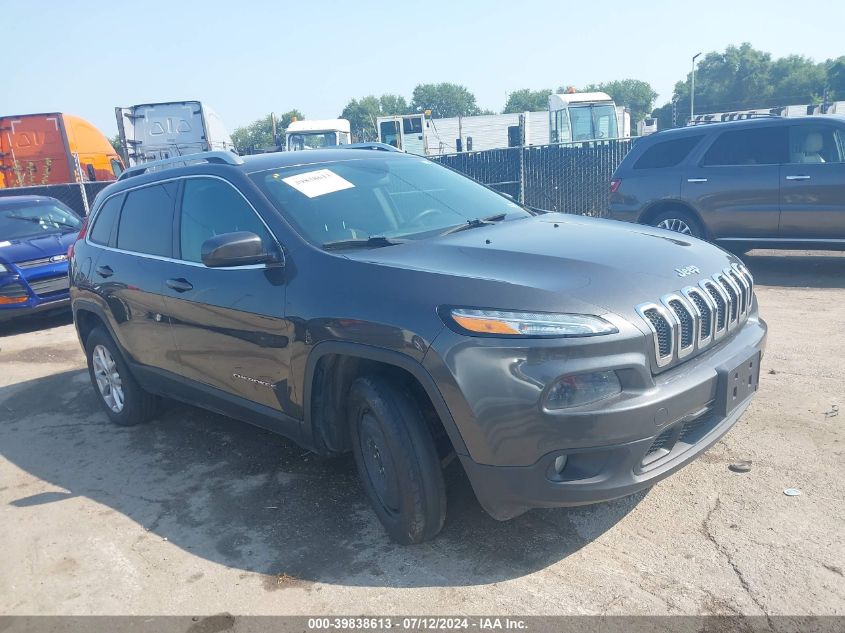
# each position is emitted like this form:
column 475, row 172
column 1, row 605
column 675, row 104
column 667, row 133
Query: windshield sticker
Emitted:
column 2, row 244
column 318, row 183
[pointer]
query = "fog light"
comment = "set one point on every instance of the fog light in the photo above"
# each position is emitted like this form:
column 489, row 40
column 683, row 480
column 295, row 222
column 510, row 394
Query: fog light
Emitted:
column 560, row 463
column 580, row 389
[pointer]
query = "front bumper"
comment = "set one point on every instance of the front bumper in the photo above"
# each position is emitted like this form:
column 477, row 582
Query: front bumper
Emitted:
column 33, row 306
column 43, row 290
column 592, row 475
column 613, row 448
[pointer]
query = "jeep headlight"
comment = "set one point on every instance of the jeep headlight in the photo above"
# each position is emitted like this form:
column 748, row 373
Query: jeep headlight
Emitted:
column 506, row 323
column 580, row 389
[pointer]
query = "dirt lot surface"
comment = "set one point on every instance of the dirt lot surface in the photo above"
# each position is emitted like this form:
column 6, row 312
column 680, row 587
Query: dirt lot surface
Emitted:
column 195, row 513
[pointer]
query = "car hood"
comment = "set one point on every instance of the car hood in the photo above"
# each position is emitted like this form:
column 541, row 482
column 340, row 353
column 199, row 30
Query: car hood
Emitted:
column 36, row 247
column 557, row 262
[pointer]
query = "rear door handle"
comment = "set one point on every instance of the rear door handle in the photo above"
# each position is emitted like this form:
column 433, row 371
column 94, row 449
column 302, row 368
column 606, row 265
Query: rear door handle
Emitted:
column 179, row 285
column 696, row 179
column 801, row 177
column 104, row 271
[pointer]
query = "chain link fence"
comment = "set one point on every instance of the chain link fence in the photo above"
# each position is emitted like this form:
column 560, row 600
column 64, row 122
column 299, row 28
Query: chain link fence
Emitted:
column 565, row 177
column 70, row 193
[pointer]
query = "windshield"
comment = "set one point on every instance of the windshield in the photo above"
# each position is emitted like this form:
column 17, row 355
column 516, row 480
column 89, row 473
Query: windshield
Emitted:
column 395, row 197
column 311, row 140
column 33, row 220
column 591, row 122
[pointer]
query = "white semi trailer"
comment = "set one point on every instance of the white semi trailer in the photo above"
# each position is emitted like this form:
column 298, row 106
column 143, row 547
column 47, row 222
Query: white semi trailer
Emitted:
column 805, row 109
column 571, row 117
column 154, row 131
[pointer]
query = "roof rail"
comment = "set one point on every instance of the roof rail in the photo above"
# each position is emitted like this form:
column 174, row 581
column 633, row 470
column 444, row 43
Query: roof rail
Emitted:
column 218, row 157
column 374, row 145
column 702, row 119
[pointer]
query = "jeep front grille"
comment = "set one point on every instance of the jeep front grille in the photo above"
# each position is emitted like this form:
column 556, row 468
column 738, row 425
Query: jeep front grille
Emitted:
column 691, row 319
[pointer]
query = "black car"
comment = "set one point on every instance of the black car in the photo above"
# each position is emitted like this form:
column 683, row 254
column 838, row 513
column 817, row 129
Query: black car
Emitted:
column 376, row 302
column 768, row 182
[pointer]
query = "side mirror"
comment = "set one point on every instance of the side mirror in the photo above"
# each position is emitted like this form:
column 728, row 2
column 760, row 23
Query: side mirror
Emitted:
column 236, row 249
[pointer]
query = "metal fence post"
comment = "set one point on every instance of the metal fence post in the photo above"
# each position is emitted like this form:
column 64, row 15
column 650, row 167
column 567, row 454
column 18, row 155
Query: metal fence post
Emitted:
column 81, row 182
column 522, row 159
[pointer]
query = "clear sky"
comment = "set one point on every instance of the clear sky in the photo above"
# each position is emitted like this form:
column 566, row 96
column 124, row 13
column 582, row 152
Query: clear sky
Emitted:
column 247, row 58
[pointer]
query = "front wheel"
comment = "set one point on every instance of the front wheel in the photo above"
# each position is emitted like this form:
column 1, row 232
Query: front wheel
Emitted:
column 396, row 459
column 679, row 221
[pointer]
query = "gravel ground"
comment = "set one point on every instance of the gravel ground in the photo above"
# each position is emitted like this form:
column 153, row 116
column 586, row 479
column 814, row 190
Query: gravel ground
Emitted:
column 195, row 513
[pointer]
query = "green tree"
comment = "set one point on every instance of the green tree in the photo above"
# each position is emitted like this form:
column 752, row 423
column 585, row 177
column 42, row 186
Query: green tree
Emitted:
column 117, row 144
column 744, row 78
column 836, row 78
column 259, row 134
column 527, row 100
column 392, row 104
column 444, row 100
column 362, row 113
column 636, row 95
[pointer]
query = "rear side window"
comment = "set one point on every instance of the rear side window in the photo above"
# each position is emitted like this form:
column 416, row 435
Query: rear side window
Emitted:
column 667, row 153
column 210, row 207
column 756, row 146
column 102, row 230
column 815, row 144
column 146, row 222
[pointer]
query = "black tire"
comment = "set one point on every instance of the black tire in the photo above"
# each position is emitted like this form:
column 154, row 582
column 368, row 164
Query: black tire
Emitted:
column 396, row 459
column 679, row 218
column 137, row 405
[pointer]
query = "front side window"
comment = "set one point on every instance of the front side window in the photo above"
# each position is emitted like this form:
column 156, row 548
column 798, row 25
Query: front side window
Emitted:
column 389, row 132
column 211, row 207
column 755, row 146
column 667, row 153
column 393, row 197
column 814, row 144
column 146, row 222
column 412, row 125
column 35, row 219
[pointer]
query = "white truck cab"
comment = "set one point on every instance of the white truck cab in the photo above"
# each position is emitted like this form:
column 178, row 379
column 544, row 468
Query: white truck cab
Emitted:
column 586, row 116
column 314, row 134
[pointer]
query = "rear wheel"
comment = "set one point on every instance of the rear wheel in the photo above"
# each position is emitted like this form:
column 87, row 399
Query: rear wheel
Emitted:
column 679, row 221
column 396, row 459
column 119, row 393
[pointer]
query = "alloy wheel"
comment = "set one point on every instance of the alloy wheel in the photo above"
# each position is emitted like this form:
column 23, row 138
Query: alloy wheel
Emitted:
column 108, row 378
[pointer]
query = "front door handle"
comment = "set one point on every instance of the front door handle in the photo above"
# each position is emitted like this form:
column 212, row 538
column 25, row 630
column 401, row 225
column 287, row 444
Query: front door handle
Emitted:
column 800, row 177
column 696, row 179
column 179, row 285
column 104, row 271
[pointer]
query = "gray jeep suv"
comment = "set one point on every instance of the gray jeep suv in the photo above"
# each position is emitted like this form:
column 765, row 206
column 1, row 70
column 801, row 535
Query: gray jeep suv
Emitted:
column 376, row 302
column 768, row 182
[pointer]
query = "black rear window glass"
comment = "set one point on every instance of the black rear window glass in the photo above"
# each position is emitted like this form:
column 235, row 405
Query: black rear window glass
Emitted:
column 667, row 153
column 104, row 224
column 146, row 222
column 756, row 146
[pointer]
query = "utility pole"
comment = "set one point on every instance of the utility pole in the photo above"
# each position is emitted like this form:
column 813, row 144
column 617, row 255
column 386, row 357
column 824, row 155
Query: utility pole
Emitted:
column 692, row 89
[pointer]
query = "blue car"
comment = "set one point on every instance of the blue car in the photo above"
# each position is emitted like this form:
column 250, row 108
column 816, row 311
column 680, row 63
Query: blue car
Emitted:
column 35, row 233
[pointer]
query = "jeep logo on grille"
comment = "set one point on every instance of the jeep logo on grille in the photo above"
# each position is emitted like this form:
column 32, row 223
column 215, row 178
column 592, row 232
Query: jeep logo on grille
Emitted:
column 686, row 271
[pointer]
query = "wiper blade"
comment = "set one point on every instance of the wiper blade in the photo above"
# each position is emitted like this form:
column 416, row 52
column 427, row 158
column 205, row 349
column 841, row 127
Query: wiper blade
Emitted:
column 42, row 221
column 376, row 241
column 471, row 224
